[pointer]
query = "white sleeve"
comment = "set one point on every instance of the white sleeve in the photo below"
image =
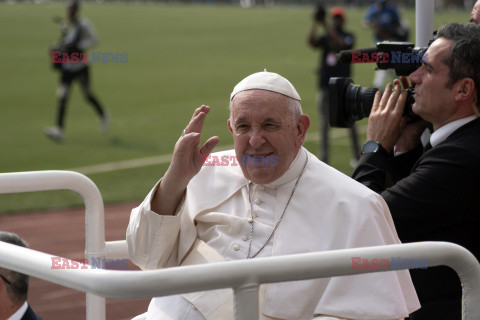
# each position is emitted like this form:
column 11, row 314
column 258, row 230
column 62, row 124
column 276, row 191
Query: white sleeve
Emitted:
column 152, row 239
column 387, row 295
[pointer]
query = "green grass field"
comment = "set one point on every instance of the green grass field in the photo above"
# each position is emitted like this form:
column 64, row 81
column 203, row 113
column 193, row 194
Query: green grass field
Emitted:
column 179, row 57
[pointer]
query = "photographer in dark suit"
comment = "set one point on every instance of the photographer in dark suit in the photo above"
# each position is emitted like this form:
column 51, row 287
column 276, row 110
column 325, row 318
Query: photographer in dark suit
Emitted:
column 332, row 42
column 14, row 288
column 432, row 192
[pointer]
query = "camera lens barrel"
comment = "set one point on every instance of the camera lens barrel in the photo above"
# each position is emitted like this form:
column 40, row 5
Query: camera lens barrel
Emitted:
column 357, row 103
column 350, row 102
column 364, row 102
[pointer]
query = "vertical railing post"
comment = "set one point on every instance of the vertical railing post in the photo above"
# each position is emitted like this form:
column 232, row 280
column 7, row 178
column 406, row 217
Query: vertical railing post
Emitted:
column 424, row 21
column 246, row 302
column 94, row 214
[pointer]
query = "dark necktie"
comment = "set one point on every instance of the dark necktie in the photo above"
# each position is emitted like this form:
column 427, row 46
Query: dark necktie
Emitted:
column 427, row 147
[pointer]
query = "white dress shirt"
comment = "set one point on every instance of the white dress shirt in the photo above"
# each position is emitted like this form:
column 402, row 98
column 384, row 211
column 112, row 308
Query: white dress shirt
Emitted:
column 20, row 312
column 443, row 132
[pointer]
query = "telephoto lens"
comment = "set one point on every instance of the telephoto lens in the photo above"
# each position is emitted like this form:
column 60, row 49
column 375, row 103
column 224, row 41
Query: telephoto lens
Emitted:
column 350, row 102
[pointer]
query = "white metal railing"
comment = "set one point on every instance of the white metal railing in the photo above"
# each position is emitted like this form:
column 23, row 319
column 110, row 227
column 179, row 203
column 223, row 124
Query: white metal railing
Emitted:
column 424, row 21
column 95, row 245
column 245, row 276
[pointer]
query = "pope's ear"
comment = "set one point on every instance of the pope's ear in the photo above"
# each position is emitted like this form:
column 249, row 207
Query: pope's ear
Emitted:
column 303, row 123
column 229, row 126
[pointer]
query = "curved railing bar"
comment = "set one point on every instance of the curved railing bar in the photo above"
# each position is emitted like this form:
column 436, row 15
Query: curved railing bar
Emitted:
column 247, row 273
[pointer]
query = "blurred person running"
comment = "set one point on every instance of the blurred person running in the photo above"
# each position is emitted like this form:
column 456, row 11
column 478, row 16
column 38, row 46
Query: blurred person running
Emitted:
column 70, row 58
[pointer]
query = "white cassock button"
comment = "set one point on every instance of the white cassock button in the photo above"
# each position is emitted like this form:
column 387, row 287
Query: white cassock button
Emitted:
column 250, row 220
column 194, row 308
column 236, row 247
column 244, row 237
column 258, row 201
column 254, row 215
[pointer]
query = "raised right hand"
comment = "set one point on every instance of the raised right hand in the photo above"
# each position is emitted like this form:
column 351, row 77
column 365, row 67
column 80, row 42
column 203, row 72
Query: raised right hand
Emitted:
column 187, row 160
column 187, row 157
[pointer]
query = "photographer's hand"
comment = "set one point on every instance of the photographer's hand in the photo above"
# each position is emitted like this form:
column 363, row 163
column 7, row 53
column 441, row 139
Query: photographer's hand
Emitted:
column 318, row 19
column 312, row 35
column 385, row 123
column 410, row 137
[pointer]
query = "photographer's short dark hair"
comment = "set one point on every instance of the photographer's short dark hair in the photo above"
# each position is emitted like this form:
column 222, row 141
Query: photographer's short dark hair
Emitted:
column 464, row 58
column 18, row 289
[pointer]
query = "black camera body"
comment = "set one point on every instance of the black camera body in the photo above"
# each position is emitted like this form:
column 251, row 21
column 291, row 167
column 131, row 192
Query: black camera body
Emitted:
column 350, row 102
column 402, row 57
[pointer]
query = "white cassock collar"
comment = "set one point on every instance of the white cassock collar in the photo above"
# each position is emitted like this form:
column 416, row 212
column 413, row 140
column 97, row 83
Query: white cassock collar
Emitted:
column 292, row 172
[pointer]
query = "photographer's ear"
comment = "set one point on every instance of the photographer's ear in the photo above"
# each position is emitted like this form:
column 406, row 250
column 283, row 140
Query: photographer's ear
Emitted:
column 465, row 90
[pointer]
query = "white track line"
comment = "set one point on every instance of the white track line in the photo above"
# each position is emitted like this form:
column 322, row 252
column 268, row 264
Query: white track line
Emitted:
column 165, row 158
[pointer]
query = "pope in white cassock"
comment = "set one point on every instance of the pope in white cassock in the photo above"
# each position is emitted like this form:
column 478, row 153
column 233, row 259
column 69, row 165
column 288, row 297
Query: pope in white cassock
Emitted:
column 277, row 199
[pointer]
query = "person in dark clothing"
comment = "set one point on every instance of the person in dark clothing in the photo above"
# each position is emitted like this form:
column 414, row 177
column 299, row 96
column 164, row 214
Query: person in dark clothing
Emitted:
column 333, row 41
column 432, row 191
column 14, row 287
column 70, row 58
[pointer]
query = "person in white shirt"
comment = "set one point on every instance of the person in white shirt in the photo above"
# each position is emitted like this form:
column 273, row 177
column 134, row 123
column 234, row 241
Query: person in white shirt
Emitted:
column 432, row 191
column 14, row 288
column 269, row 196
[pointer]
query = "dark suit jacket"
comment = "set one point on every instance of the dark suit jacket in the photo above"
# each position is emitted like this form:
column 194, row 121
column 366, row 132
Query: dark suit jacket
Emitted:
column 30, row 315
column 433, row 196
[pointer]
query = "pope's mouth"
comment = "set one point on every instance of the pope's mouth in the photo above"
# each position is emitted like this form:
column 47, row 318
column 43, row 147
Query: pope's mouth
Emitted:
column 259, row 156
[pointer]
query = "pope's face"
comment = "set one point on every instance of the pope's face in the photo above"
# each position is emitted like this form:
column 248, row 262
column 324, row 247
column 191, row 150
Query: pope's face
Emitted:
column 265, row 134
